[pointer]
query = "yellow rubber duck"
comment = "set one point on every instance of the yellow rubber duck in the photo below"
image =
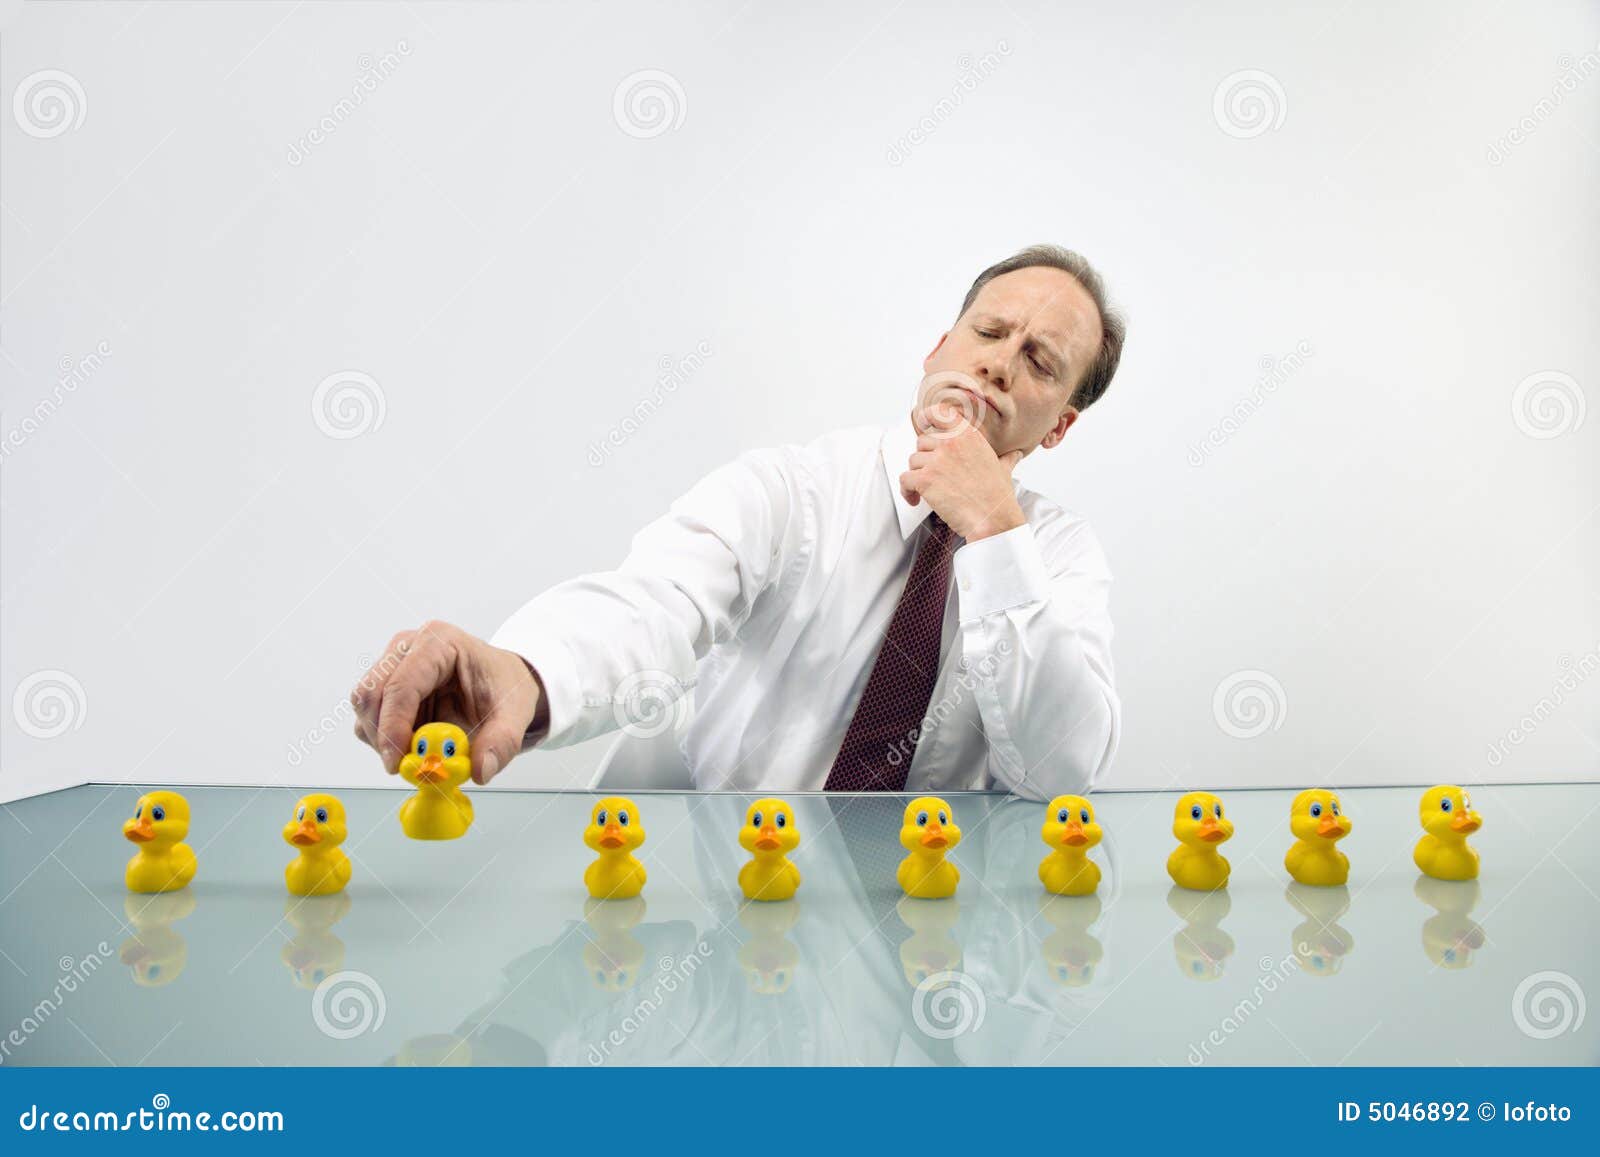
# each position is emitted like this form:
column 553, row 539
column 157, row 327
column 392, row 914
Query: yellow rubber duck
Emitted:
column 439, row 762
column 1448, row 819
column 163, row 862
column 1200, row 826
column 769, row 835
column 614, row 831
column 317, row 829
column 1070, row 830
column 1317, row 821
column 928, row 831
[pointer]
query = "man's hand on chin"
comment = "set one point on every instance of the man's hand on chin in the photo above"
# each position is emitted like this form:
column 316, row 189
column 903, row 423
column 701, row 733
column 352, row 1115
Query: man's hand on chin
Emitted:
column 958, row 474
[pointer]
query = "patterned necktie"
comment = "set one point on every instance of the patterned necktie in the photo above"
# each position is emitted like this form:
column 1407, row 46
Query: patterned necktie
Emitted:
column 883, row 733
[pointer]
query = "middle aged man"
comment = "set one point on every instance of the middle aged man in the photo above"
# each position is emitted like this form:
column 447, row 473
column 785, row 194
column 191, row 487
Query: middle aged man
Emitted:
column 805, row 593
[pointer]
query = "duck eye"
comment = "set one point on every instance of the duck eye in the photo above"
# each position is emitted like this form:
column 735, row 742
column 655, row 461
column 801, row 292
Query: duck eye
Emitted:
column 922, row 819
column 600, row 817
column 1061, row 816
column 782, row 820
column 1084, row 814
column 422, row 745
column 322, row 815
column 755, row 820
column 301, row 814
column 1195, row 812
column 622, row 818
column 138, row 811
column 1466, row 803
column 1444, row 804
column 158, row 812
column 944, row 819
column 1316, row 809
column 1335, row 809
column 1217, row 810
column 449, row 748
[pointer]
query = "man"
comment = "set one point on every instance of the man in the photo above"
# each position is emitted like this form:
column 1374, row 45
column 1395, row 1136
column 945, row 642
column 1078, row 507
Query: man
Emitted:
column 879, row 610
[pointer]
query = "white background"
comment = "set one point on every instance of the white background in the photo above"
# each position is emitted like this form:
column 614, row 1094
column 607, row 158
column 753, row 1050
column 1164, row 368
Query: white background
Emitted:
column 201, row 571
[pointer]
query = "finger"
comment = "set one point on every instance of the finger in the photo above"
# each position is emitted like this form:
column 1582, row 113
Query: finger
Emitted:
column 920, row 460
column 907, row 490
column 367, row 695
column 429, row 664
column 497, row 742
column 928, row 442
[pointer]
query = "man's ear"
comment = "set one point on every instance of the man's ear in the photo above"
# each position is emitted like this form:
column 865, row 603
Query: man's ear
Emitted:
column 1059, row 430
column 937, row 346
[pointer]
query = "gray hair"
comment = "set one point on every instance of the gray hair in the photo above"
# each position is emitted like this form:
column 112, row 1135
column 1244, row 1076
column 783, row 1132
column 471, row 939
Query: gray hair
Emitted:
column 1096, row 379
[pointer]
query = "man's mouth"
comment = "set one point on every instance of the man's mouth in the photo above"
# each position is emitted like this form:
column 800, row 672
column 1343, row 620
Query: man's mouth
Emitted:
column 983, row 403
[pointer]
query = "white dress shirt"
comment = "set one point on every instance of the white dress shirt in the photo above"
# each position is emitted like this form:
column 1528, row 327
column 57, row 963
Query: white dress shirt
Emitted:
column 766, row 591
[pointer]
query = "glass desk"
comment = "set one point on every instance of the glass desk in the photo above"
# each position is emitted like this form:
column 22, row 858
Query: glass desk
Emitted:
column 485, row 950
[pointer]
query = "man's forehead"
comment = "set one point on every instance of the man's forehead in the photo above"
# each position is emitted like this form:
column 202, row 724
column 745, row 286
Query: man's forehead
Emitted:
column 1051, row 301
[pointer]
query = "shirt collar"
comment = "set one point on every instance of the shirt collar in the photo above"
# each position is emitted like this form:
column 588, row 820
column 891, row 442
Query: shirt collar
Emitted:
column 899, row 442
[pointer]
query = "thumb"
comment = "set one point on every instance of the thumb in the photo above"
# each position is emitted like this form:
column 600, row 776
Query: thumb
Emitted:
column 497, row 743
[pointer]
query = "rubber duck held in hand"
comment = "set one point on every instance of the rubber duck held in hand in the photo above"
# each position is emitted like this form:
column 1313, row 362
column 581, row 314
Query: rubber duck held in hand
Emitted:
column 1447, row 819
column 1200, row 826
column 769, row 835
column 614, row 831
column 163, row 863
column 1317, row 821
column 439, row 762
column 1070, row 830
column 928, row 832
column 317, row 829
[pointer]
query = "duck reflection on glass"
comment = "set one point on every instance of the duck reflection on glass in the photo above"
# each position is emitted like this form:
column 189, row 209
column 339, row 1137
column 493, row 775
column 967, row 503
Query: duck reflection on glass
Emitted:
column 156, row 952
column 768, row 957
column 612, row 955
column 932, row 947
column 1071, row 952
column 1319, row 943
column 1201, row 946
column 1450, row 936
column 313, row 953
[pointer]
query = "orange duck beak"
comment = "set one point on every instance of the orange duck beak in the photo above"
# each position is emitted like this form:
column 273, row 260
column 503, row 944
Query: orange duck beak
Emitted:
column 1074, row 835
column 1210, row 830
column 306, row 835
column 1329, row 825
column 611, row 836
column 431, row 769
column 767, row 841
column 140, row 831
column 1466, row 823
column 933, row 836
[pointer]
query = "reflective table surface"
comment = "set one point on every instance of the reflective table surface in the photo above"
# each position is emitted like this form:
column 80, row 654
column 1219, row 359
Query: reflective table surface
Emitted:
column 486, row 950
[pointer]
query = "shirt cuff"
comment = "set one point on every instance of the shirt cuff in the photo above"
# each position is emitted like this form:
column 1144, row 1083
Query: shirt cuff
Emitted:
column 999, row 572
column 552, row 659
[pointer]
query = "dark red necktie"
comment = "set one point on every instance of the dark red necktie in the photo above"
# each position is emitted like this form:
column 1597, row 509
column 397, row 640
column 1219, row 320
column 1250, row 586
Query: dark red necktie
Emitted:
column 883, row 733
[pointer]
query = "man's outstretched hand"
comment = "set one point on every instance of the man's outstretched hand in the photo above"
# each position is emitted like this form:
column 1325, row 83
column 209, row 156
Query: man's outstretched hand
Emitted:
column 439, row 673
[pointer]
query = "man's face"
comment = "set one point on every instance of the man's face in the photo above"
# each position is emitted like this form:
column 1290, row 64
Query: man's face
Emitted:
column 1022, row 348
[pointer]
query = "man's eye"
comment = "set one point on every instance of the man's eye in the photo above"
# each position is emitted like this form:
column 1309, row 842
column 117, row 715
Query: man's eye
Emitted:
column 989, row 333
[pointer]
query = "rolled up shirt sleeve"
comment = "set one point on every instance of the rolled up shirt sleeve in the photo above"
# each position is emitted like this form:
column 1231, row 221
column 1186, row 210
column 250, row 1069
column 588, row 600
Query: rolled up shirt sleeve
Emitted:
column 1036, row 630
column 604, row 643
